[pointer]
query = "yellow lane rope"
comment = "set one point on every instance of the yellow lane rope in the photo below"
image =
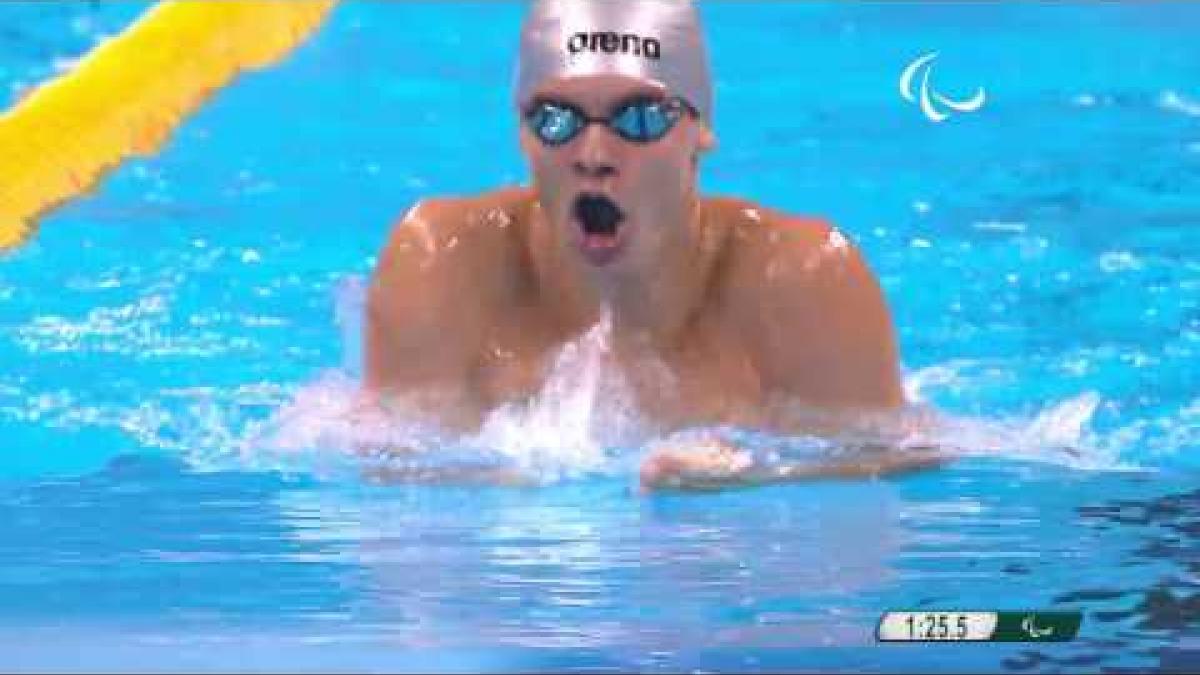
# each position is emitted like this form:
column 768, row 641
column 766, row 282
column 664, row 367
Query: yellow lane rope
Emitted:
column 126, row 96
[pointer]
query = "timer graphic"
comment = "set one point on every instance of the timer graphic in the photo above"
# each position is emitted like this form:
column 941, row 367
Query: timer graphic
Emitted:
column 978, row 626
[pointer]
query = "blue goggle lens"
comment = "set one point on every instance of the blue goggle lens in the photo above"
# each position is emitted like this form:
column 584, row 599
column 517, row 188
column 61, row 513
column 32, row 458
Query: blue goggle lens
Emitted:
column 638, row 121
column 555, row 125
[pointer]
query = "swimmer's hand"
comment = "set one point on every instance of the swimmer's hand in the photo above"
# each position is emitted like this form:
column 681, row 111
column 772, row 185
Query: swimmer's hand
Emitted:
column 715, row 463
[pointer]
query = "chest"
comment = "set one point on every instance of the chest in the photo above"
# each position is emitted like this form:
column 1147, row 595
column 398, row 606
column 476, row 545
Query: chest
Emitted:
column 708, row 379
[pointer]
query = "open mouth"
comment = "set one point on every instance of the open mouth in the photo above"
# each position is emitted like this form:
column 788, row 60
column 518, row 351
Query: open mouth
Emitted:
column 599, row 220
column 597, row 214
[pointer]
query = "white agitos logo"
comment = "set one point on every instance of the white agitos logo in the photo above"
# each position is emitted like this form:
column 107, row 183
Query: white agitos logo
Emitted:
column 928, row 97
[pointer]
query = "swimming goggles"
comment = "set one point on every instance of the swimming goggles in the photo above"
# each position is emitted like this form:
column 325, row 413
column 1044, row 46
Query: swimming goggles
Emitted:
column 639, row 120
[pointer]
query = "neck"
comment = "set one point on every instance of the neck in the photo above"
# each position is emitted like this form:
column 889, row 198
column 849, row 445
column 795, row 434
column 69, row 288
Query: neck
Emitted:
column 650, row 305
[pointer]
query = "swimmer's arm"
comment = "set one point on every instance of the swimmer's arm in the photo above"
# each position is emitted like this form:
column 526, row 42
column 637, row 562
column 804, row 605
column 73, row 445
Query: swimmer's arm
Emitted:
column 388, row 462
column 401, row 347
column 458, row 476
column 716, row 464
column 422, row 325
column 826, row 335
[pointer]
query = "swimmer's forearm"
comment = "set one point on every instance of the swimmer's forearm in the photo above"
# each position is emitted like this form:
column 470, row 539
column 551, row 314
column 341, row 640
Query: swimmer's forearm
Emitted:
column 725, row 466
column 434, row 475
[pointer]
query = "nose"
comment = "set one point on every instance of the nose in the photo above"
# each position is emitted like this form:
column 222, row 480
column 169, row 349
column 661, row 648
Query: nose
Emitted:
column 596, row 158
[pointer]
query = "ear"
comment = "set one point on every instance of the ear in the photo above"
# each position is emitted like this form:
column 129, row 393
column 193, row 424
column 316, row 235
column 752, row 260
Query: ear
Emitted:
column 708, row 139
column 525, row 139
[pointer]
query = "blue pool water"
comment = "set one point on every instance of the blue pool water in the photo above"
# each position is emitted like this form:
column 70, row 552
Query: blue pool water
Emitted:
column 174, row 493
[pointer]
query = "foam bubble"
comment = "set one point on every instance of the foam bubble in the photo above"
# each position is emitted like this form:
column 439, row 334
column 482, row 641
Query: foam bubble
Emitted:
column 1176, row 102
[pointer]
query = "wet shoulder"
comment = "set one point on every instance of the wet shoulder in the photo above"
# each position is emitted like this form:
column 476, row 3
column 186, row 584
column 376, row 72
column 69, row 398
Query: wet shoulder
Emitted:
column 444, row 220
column 774, row 260
column 456, row 246
column 451, row 230
column 762, row 239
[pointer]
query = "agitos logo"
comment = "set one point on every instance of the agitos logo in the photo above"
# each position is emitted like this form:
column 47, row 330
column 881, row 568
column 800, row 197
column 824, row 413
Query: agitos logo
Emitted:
column 611, row 43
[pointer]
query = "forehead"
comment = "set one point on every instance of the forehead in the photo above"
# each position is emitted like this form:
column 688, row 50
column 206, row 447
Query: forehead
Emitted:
column 598, row 91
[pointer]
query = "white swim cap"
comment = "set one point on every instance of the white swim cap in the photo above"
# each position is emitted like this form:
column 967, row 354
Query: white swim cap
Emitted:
column 655, row 40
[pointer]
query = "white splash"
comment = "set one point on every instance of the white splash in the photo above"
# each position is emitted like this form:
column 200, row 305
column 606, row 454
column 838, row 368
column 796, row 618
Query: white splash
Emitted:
column 582, row 421
column 837, row 242
column 1015, row 227
column 583, row 413
column 1060, row 433
column 1084, row 100
column 1118, row 261
column 1175, row 102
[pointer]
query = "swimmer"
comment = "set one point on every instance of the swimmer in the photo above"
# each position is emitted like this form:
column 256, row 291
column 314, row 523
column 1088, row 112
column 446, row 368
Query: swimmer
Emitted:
column 742, row 304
